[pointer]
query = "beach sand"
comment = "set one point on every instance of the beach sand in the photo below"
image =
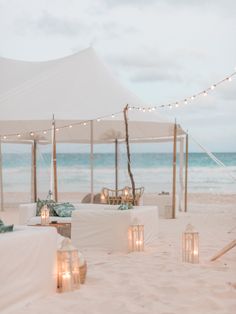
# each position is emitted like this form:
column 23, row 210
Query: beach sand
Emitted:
column 157, row 281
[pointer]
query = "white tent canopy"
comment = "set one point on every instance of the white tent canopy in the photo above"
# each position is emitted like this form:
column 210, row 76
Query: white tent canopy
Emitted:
column 74, row 89
column 77, row 90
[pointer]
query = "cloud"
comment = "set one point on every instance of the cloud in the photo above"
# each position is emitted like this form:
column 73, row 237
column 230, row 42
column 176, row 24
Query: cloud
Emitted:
column 58, row 25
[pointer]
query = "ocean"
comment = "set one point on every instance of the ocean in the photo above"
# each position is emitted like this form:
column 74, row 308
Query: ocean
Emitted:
column 151, row 170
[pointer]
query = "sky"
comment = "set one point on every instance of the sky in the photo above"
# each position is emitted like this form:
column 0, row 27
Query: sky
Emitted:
column 162, row 50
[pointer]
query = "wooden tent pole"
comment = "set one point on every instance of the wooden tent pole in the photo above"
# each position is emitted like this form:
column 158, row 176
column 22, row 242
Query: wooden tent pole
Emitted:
column 186, row 176
column 128, row 152
column 174, row 171
column 34, row 170
column 181, row 169
column 54, row 157
column 91, row 162
column 1, row 179
column 116, row 166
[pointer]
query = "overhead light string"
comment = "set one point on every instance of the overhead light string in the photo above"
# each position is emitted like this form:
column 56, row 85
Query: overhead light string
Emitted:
column 186, row 100
column 175, row 104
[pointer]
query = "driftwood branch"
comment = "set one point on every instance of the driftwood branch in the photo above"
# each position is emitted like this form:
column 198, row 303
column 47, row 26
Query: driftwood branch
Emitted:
column 224, row 250
column 128, row 153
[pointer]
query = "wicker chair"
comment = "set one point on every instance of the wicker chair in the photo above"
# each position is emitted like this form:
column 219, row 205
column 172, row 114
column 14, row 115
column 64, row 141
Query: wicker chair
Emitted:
column 125, row 195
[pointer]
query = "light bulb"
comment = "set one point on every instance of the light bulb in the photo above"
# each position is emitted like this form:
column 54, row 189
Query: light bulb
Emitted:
column 31, row 133
column 185, row 101
column 70, row 126
column 44, row 132
column 204, row 93
column 213, row 87
column 18, row 135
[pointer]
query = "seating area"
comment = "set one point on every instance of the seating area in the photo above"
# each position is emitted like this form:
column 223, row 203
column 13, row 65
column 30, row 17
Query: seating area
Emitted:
column 100, row 226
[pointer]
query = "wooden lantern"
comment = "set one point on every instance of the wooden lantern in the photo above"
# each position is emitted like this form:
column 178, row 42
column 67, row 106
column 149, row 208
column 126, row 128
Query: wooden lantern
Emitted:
column 136, row 238
column 68, row 267
column 45, row 217
column 190, row 247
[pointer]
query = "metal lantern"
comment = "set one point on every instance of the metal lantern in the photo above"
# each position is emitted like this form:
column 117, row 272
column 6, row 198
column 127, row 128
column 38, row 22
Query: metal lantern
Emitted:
column 68, row 267
column 190, row 247
column 45, row 217
column 136, row 238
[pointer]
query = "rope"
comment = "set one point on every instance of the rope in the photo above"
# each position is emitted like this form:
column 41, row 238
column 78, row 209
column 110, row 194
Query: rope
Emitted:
column 214, row 158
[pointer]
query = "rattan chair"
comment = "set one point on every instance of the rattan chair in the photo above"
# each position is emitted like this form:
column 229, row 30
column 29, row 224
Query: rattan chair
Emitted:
column 125, row 195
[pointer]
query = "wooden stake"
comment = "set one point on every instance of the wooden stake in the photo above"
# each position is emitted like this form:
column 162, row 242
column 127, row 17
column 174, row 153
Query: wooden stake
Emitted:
column 34, row 170
column 224, row 250
column 174, row 171
column 128, row 152
column 186, row 177
column 54, row 156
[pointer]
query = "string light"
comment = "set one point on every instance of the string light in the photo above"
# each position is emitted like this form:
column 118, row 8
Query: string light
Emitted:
column 143, row 109
column 194, row 96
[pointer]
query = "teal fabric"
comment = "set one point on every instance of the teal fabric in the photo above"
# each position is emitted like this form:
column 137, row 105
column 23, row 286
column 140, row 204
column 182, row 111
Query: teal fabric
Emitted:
column 125, row 206
column 64, row 209
column 4, row 228
column 50, row 204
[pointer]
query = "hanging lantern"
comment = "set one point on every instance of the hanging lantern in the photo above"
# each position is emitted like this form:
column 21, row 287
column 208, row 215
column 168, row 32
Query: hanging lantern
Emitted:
column 136, row 238
column 190, row 247
column 68, row 267
column 45, row 218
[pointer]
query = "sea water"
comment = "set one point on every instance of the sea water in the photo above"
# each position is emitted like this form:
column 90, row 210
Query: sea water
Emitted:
column 151, row 170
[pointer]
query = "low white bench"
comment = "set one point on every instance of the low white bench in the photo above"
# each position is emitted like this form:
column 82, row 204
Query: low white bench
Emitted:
column 28, row 265
column 106, row 228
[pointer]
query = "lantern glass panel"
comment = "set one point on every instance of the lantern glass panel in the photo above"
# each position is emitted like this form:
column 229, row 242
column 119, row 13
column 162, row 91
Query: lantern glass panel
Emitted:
column 68, row 270
column 136, row 238
column 190, row 249
column 45, row 217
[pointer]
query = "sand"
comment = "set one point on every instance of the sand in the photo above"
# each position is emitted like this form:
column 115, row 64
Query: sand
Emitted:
column 157, row 281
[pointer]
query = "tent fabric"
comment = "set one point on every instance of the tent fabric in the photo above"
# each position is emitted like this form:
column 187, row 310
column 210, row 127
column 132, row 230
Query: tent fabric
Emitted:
column 78, row 86
column 75, row 88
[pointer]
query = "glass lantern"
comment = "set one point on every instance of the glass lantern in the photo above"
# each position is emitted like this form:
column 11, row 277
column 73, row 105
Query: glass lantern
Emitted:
column 190, row 248
column 136, row 238
column 45, row 217
column 68, row 267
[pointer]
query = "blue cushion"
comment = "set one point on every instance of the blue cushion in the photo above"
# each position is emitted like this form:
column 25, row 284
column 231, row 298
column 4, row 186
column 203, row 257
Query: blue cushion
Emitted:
column 4, row 228
column 63, row 209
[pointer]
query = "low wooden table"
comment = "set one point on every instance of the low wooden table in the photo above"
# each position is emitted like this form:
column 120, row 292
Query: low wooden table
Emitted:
column 63, row 228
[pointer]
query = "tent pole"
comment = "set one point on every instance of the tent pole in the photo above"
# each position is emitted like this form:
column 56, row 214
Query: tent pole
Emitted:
column 34, row 171
column 181, row 168
column 1, row 178
column 54, row 158
column 186, row 176
column 174, row 171
column 116, row 165
column 91, row 161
